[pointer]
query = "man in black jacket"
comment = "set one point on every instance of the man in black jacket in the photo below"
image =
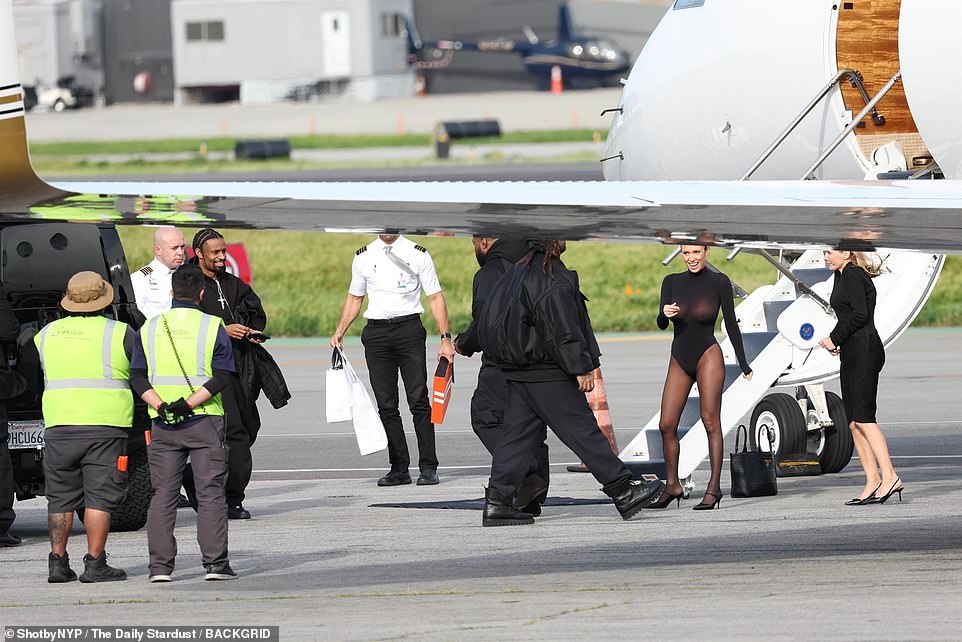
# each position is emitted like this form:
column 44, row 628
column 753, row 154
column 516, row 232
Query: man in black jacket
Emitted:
column 229, row 298
column 548, row 360
column 497, row 256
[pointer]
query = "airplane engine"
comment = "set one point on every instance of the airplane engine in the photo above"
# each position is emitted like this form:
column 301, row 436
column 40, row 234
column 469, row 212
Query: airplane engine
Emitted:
column 718, row 81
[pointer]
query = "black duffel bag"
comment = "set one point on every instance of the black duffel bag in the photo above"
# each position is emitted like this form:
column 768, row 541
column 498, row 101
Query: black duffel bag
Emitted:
column 753, row 471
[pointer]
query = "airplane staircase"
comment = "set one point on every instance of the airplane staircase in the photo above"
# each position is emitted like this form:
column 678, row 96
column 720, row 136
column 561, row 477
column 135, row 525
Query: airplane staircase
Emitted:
column 781, row 325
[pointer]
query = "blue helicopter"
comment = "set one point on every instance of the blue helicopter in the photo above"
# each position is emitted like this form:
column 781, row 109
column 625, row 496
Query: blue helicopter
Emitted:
column 584, row 61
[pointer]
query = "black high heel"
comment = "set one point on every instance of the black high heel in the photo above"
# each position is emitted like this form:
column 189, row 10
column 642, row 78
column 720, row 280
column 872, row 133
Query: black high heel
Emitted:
column 884, row 498
column 703, row 506
column 665, row 500
column 862, row 501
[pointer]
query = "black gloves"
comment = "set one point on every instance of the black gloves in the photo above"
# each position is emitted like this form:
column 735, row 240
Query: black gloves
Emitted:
column 162, row 413
column 174, row 413
column 179, row 410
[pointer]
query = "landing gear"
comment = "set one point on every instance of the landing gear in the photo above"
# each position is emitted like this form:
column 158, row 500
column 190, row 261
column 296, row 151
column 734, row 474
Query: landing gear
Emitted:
column 780, row 414
column 821, row 429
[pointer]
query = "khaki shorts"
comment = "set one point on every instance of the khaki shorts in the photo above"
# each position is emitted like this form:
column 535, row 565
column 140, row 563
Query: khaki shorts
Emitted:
column 82, row 473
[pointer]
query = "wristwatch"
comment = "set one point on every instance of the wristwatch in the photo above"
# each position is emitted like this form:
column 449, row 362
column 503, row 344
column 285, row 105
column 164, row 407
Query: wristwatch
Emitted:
column 446, row 335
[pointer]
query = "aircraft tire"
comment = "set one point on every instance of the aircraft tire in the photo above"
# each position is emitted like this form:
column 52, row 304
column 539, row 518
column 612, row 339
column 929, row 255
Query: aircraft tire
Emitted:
column 839, row 444
column 780, row 412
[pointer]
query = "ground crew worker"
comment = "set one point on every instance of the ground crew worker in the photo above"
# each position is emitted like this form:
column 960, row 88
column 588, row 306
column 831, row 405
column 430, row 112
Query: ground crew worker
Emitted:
column 88, row 411
column 152, row 282
column 180, row 364
column 392, row 271
column 497, row 256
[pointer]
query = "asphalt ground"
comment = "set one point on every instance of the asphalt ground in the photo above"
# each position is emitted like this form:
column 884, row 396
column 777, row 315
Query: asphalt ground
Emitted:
column 325, row 558
column 514, row 110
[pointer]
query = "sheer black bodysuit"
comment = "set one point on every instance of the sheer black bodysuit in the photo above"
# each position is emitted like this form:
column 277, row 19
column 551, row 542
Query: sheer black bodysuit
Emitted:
column 696, row 356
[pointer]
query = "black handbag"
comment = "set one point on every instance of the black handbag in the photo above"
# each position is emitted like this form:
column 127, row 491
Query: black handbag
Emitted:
column 753, row 471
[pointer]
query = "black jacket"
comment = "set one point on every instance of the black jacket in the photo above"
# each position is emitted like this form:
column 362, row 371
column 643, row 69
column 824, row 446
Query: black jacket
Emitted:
column 499, row 259
column 554, row 326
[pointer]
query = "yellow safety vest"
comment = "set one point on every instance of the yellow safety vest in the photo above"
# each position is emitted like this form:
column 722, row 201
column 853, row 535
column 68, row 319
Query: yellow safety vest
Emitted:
column 194, row 335
column 85, row 373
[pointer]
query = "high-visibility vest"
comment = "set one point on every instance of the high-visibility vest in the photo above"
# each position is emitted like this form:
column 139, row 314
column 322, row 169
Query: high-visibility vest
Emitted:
column 85, row 373
column 194, row 334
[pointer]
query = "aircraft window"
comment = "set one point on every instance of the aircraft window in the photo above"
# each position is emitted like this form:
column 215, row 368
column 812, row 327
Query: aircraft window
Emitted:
column 577, row 50
column 198, row 31
column 688, row 4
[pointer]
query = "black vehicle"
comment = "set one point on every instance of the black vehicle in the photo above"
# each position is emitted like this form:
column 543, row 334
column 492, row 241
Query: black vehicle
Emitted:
column 38, row 260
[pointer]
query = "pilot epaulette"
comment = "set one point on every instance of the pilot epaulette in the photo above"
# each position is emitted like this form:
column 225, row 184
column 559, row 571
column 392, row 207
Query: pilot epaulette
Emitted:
column 363, row 249
column 146, row 270
column 420, row 248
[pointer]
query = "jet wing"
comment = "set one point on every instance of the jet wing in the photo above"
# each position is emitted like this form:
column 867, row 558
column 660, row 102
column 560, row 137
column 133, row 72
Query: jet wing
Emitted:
column 921, row 214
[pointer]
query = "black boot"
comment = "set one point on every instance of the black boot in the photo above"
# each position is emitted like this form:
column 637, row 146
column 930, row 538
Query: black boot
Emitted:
column 631, row 495
column 531, row 494
column 60, row 570
column 499, row 512
column 96, row 569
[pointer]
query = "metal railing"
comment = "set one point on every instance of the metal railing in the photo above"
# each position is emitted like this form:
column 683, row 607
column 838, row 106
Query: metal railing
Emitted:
column 855, row 78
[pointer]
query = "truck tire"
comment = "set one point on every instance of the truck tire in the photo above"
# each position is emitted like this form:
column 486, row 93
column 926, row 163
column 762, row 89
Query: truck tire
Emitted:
column 131, row 515
column 779, row 412
column 839, row 443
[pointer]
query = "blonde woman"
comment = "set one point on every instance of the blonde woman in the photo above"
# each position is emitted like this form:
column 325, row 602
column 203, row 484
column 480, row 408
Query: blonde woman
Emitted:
column 857, row 342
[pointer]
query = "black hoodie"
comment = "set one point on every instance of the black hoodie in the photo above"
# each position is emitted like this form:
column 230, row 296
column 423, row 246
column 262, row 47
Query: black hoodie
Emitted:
column 553, row 338
column 500, row 258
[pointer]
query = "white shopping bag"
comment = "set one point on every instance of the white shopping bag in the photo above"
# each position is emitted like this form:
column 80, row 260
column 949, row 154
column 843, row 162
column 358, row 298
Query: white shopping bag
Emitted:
column 368, row 428
column 338, row 390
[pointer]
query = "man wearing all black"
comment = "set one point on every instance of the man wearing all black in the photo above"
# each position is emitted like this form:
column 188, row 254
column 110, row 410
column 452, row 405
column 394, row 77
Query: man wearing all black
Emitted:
column 9, row 327
column 229, row 298
column 496, row 256
column 548, row 357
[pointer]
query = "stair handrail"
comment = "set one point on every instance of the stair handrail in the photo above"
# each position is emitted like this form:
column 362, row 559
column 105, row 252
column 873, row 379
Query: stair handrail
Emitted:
column 810, row 173
column 791, row 276
column 851, row 73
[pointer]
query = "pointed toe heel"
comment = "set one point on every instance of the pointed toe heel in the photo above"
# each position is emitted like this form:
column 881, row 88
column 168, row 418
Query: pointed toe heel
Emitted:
column 709, row 506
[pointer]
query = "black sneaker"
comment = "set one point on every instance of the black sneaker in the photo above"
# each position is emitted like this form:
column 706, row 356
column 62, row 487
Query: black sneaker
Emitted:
column 59, row 569
column 96, row 569
column 238, row 511
column 219, row 571
column 394, row 478
column 428, row 478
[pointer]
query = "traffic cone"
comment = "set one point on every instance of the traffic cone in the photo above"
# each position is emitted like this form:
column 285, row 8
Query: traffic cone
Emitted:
column 556, row 84
column 598, row 402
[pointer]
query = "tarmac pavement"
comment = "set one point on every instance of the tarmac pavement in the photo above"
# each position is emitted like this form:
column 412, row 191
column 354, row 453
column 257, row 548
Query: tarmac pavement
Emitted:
column 326, row 558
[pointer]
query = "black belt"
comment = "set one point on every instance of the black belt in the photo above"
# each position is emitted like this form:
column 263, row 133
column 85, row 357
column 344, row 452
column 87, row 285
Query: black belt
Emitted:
column 393, row 320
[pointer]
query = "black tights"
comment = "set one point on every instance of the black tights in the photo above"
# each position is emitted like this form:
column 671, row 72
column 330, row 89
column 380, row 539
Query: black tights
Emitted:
column 710, row 375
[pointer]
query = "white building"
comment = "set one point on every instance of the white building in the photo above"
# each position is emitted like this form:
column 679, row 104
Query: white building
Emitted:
column 261, row 51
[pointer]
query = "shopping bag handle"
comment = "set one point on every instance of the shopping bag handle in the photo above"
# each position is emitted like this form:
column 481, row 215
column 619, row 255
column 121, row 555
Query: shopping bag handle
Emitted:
column 337, row 359
column 741, row 430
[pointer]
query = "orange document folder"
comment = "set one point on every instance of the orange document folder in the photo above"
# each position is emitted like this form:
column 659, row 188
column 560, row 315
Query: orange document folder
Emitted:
column 441, row 393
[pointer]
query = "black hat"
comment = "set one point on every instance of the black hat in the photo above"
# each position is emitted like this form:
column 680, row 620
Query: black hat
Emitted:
column 854, row 245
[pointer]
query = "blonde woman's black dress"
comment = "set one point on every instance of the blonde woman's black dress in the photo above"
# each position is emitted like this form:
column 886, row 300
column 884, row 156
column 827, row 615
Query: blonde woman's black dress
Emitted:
column 862, row 354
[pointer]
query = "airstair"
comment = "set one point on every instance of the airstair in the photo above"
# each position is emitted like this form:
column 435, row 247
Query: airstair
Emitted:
column 781, row 325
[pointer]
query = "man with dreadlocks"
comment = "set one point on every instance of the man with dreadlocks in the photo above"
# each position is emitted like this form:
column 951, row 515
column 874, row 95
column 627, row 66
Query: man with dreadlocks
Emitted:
column 229, row 298
column 548, row 355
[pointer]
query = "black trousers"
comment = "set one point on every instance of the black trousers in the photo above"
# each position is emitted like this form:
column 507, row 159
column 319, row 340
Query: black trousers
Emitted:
column 487, row 418
column 531, row 405
column 7, row 487
column 390, row 348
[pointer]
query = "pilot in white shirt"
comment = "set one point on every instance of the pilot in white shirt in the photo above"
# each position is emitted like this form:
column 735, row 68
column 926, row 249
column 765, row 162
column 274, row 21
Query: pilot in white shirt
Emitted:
column 391, row 272
column 152, row 282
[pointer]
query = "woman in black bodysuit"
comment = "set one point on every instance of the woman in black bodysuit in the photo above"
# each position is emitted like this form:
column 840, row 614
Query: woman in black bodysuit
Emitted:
column 862, row 357
column 691, row 301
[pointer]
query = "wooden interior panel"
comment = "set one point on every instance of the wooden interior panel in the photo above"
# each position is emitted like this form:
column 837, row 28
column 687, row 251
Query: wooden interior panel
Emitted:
column 868, row 41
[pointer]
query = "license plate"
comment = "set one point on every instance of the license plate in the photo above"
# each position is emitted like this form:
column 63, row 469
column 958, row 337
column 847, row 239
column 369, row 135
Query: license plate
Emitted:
column 26, row 435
